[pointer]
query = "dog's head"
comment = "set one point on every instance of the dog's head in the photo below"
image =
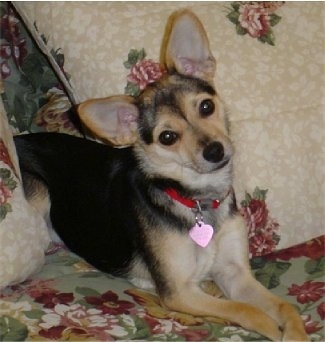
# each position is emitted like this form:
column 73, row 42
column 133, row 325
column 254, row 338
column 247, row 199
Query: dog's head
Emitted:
column 177, row 125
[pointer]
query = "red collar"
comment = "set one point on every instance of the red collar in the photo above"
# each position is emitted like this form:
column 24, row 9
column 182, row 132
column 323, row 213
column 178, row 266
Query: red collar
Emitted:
column 189, row 202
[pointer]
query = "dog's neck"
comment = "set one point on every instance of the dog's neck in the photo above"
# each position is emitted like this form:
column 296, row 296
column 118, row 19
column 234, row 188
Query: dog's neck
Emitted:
column 195, row 203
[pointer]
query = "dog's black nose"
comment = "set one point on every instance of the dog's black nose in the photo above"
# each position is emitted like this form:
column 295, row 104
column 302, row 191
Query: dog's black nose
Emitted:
column 213, row 152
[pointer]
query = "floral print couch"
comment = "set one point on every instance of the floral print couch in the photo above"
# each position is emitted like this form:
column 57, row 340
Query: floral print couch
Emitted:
column 49, row 293
column 69, row 300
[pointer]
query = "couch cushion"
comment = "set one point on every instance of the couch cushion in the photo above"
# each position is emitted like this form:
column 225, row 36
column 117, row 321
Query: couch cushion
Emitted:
column 23, row 232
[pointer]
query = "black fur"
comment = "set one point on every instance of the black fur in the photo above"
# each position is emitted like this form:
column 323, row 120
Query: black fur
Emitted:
column 114, row 188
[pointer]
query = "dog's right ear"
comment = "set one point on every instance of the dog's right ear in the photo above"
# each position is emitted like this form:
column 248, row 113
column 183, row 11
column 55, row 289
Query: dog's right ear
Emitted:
column 113, row 119
column 185, row 47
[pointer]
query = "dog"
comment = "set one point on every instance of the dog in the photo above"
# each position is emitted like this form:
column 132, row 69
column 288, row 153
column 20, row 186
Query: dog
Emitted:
column 162, row 211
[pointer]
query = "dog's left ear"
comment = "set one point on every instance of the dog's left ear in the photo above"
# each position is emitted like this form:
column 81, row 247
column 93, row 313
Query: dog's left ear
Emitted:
column 112, row 119
column 186, row 48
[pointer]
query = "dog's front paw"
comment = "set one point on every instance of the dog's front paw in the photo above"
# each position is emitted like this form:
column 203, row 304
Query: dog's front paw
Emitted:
column 295, row 334
column 293, row 329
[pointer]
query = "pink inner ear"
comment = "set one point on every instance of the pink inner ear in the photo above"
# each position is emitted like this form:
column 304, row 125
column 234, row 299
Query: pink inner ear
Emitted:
column 198, row 68
column 126, row 116
column 126, row 125
column 189, row 67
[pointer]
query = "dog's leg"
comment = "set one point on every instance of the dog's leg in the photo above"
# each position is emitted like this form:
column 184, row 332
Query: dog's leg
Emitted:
column 181, row 268
column 281, row 311
column 190, row 299
column 238, row 284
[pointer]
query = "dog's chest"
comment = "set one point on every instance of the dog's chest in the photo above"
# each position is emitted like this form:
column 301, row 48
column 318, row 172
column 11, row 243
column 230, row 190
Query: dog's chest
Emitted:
column 204, row 258
column 203, row 250
column 189, row 257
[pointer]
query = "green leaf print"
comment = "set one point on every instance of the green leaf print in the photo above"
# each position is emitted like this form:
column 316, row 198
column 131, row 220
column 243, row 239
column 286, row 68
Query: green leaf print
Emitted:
column 270, row 274
column 12, row 330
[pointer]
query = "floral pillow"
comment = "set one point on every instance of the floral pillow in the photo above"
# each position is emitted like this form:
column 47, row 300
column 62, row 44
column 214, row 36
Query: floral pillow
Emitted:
column 23, row 233
column 34, row 97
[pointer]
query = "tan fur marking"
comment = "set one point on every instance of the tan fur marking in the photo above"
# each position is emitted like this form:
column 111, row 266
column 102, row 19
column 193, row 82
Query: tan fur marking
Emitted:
column 38, row 197
column 211, row 288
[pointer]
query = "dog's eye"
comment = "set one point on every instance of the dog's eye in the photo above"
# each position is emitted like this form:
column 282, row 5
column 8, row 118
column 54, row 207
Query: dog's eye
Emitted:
column 168, row 137
column 206, row 108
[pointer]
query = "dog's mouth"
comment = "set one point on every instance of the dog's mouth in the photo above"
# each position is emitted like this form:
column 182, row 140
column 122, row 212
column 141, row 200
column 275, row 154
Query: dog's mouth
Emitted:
column 222, row 164
column 208, row 168
column 216, row 167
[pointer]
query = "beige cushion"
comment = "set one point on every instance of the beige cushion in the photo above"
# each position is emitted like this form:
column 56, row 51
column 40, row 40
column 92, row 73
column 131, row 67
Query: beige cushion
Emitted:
column 23, row 233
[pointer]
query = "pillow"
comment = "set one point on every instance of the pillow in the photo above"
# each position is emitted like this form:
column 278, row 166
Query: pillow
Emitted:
column 23, row 232
column 35, row 98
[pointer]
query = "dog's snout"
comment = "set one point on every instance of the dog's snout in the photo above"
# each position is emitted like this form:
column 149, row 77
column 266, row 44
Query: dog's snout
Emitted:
column 214, row 152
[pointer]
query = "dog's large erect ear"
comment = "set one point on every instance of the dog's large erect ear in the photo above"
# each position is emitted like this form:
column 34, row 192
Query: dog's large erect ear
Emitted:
column 113, row 119
column 185, row 47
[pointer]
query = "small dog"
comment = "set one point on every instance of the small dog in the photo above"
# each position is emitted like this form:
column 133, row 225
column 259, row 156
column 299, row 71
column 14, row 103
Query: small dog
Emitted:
column 161, row 212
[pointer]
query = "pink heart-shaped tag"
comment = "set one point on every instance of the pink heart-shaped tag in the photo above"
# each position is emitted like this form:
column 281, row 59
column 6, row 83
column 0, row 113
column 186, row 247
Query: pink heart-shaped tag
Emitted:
column 201, row 233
